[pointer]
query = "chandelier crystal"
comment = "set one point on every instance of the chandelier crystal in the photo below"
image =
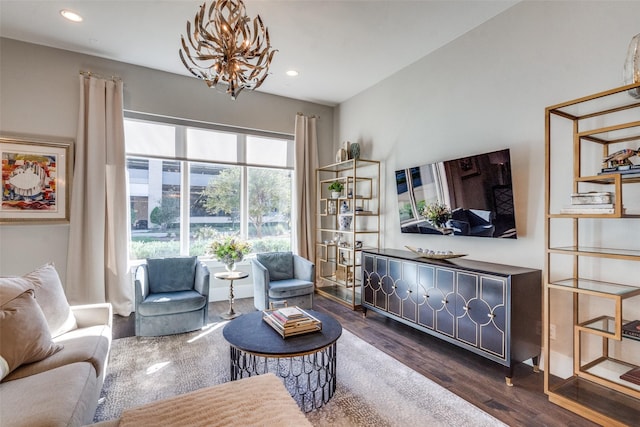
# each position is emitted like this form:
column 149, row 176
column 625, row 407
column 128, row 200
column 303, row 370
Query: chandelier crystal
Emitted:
column 227, row 47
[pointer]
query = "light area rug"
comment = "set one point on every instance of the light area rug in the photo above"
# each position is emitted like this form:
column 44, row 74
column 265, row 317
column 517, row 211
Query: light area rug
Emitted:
column 373, row 389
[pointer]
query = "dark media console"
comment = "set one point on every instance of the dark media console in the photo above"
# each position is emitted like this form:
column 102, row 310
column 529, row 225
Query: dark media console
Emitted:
column 493, row 310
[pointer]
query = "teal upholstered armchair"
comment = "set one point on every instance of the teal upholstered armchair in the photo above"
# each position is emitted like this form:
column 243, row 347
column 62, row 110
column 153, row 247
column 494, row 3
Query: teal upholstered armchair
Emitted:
column 172, row 296
column 280, row 276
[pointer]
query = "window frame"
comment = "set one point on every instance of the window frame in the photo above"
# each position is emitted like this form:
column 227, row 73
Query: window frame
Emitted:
column 181, row 127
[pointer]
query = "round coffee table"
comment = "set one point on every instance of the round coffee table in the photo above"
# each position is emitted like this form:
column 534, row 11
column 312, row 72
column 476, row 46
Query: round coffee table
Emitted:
column 307, row 363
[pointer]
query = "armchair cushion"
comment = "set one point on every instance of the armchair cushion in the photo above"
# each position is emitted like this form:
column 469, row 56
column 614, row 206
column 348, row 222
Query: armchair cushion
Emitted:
column 171, row 274
column 279, row 264
column 171, row 302
column 289, row 288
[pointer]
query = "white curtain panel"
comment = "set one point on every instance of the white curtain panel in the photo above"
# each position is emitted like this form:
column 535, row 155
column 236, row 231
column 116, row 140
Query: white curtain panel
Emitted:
column 306, row 163
column 97, row 267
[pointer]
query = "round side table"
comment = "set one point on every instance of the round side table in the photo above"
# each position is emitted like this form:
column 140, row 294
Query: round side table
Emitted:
column 231, row 276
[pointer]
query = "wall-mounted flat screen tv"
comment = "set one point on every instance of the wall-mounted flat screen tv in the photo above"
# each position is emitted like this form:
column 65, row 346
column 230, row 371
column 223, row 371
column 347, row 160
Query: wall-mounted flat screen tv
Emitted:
column 477, row 189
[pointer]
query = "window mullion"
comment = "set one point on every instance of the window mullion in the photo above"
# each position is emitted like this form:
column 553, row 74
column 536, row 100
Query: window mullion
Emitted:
column 185, row 197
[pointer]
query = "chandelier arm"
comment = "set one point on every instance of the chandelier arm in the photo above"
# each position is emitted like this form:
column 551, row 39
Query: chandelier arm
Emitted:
column 225, row 45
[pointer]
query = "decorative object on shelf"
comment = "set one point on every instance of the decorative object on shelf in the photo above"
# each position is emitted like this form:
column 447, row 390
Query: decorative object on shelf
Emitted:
column 227, row 46
column 336, row 189
column 590, row 203
column 341, row 155
column 633, row 376
column 229, row 251
column 631, row 73
column 437, row 213
column 355, row 150
column 331, row 209
column 346, row 146
column 431, row 254
column 619, row 158
column 344, row 222
column 344, row 207
column 631, row 329
column 591, row 197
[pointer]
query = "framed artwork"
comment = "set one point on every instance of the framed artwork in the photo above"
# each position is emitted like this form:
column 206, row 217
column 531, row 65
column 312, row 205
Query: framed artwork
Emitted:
column 35, row 182
column 468, row 167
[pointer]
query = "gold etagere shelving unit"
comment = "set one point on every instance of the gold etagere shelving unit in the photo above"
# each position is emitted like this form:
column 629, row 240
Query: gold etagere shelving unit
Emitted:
column 339, row 249
column 586, row 298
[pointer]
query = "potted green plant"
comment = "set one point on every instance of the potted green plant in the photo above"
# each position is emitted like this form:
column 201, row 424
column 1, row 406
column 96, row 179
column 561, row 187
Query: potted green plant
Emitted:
column 336, row 189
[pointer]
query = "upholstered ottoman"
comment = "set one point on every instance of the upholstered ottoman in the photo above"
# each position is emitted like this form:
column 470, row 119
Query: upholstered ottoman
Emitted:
column 254, row 401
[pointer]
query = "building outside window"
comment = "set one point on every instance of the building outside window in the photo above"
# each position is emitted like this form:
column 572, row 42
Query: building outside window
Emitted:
column 189, row 185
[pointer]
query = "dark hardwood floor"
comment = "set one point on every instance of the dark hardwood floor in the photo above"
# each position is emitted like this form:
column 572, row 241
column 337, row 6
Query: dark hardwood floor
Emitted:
column 470, row 376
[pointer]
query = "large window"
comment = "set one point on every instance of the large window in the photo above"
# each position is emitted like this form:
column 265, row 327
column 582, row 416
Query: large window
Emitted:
column 189, row 185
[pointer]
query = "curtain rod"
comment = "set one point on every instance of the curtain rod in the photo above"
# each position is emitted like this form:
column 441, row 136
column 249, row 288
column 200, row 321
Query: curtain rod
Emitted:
column 311, row 117
column 100, row 76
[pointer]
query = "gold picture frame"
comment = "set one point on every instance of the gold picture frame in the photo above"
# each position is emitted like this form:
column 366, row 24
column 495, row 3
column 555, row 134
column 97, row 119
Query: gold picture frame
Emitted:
column 35, row 181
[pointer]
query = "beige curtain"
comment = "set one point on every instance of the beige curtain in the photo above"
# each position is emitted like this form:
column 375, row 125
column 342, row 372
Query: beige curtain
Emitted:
column 97, row 267
column 306, row 162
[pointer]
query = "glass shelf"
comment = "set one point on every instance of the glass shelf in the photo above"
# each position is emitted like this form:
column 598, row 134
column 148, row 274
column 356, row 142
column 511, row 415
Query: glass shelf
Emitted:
column 609, row 370
column 595, row 287
column 620, row 133
column 598, row 252
column 606, row 326
column 593, row 398
column 348, row 165
column 598, row 104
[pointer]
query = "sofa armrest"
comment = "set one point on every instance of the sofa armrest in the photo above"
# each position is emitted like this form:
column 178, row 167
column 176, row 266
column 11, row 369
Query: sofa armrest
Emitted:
column 93, row 314
column 303, row 269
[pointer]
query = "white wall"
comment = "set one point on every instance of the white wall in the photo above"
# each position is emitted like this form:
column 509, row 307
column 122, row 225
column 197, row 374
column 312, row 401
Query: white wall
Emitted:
column 39, row 95
column 488, row 90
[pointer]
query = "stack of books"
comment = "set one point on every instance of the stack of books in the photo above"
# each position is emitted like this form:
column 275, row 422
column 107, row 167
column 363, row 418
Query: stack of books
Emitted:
column 627, row 170
column 291, row 321
column 590, row 203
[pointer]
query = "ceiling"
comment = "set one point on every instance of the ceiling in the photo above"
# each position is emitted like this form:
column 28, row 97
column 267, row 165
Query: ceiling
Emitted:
column 339, row 48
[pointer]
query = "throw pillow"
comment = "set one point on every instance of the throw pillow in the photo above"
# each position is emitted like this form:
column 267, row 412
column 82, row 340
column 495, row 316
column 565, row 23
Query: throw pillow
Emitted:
column 49, row 296
column 24, row 333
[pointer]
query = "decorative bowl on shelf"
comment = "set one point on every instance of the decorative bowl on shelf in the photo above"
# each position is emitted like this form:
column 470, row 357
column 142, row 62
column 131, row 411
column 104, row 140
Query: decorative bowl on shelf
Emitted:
column 427, row 253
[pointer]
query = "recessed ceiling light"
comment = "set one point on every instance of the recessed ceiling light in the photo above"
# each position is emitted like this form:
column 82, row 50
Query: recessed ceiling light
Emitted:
column 292, row 73
column 71, row 16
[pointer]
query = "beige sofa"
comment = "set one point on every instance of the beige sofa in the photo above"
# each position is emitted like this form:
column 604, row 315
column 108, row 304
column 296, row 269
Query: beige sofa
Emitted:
column 63, row 388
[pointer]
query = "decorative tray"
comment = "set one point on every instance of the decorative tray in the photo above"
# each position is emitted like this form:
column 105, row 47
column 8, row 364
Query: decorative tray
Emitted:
column 434, row 255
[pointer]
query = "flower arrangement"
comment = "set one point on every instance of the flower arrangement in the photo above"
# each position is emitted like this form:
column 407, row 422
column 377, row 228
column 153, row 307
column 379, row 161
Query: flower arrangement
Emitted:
column 437, row 213
column 230, row 249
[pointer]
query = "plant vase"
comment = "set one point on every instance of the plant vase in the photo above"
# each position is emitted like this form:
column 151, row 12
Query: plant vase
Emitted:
column 335, row 194
column 230, row 266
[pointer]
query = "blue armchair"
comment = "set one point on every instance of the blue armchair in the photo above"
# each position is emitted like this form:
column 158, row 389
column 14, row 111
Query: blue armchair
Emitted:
column 280, row 276
column 172, row 296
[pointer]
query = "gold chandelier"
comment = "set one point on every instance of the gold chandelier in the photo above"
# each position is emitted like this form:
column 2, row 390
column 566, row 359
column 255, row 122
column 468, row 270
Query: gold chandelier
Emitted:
column 223, row 47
